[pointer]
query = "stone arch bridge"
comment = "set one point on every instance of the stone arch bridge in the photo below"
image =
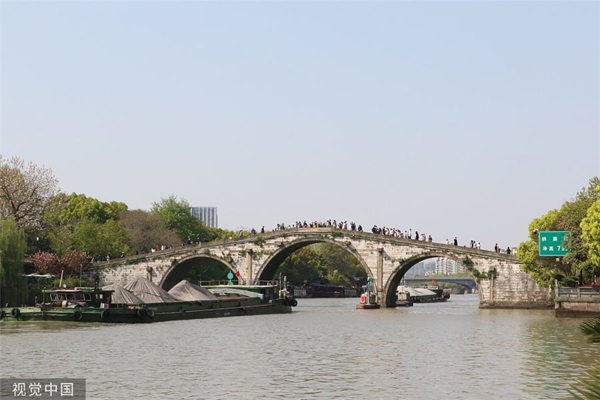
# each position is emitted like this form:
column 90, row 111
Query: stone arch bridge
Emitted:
column 500, row 280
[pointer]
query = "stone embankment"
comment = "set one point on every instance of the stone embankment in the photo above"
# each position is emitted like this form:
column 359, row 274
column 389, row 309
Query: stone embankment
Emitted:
column 581, row 302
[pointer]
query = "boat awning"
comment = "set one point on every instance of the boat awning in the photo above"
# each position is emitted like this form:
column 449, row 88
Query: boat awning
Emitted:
column 48, row 276
column 227, row 291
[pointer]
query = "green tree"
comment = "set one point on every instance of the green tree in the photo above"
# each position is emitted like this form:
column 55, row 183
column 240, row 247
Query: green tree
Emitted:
column 343, row 268
column 207, row 270
column 219, row 234
column 545, row 269
column 13, row 286
column 177, row 213
column 324, row 261
column 110, row 238
column 590, row 227
column 79, row 207
column 302, row 266
column 335, row 278
column 87, row 224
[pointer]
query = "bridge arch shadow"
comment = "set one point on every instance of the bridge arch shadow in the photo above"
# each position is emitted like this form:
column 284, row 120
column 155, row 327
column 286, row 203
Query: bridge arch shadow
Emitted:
column 181, row 268
column 267, row 270
column 406, row 265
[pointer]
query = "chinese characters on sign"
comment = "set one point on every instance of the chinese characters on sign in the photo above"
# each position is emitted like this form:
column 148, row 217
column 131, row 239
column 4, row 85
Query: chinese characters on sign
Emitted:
column 554, row 243
column 73, row 389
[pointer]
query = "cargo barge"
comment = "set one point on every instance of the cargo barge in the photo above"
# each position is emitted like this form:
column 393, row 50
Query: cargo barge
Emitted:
column 119, row 305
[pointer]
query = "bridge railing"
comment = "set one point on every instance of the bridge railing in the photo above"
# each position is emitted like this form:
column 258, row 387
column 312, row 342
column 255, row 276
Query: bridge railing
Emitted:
column 579, row 293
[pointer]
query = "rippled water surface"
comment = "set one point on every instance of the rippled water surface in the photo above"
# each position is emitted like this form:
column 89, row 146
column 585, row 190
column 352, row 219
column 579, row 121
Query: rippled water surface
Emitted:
column 325, row 349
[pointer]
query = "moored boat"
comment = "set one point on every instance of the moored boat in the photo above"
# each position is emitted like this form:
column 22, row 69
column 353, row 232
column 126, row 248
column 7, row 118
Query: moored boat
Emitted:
column 118, row 305
column 79, row 305
column 423, row 295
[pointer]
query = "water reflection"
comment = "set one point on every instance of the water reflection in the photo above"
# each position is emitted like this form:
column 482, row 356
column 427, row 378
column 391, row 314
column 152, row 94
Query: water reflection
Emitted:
column 10, row 328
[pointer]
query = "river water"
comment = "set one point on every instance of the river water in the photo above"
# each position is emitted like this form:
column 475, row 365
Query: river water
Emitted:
column 325, row 349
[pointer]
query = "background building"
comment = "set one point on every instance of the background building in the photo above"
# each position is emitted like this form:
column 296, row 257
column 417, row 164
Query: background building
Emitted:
column 436, row 266
column 208, row 215
column 446, row 266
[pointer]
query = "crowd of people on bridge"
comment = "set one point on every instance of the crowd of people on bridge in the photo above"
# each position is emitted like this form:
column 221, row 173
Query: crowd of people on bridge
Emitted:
column 343, row 225
column 398, row 233
column 386, row 231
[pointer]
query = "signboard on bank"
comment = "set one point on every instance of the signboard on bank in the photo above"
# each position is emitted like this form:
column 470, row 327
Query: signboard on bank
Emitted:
column 555, row 243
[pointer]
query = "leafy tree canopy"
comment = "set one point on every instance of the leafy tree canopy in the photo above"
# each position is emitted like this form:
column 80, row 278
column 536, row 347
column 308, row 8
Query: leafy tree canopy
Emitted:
column 324, row 261
column 83, row 223
column 343, row 268
column 110, row 238
column 13, row 287
column 79, row 207
column 178, row 216
column 302, row 266
column 207, row 270
column 569, row 218
column 590, row 228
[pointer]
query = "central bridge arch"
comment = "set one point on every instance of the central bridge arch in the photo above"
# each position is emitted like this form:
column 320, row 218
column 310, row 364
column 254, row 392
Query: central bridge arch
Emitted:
column 405, row 265
column 268, row 268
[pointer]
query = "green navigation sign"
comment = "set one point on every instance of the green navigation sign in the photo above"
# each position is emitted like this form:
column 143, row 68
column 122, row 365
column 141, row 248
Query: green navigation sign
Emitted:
column 555, row 243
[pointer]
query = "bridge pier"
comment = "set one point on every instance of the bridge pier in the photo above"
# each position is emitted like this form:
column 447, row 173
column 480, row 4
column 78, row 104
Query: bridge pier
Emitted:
column 380, row 293
column 249, row 253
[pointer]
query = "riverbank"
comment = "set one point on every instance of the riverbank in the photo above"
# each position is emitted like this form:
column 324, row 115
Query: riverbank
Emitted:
column 581, row 302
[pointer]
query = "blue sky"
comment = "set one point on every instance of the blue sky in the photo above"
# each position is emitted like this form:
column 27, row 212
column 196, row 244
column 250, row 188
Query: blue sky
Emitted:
column 462, row 119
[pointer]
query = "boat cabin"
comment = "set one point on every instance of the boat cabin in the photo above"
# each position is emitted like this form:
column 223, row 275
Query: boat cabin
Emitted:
column 78, row 297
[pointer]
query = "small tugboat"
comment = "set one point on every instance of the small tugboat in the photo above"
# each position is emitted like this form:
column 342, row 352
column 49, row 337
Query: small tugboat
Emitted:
column 368, row 300
column 141, row 301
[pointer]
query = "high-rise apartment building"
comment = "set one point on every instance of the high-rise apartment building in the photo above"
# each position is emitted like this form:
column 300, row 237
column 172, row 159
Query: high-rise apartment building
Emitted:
column 446, row 266
column 208, row 215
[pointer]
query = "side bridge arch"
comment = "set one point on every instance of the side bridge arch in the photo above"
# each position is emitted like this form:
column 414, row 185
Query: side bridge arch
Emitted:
column 179, row 268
